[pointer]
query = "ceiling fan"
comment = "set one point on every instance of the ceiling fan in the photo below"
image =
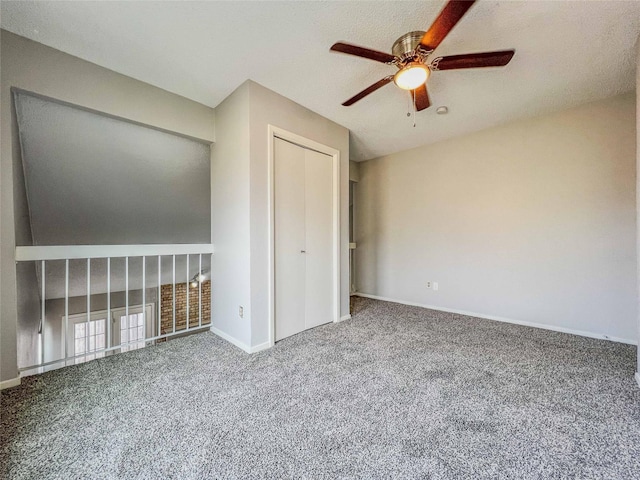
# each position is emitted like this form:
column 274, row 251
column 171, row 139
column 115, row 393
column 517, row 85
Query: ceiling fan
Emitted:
column 411, row 55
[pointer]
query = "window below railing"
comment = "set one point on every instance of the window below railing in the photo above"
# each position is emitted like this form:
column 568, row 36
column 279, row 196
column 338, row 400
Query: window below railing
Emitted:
column 79, row 303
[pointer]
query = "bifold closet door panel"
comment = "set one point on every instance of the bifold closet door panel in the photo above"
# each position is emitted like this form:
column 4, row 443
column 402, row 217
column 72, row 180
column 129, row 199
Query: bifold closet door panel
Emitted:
column 289, row 232
column 318, row 238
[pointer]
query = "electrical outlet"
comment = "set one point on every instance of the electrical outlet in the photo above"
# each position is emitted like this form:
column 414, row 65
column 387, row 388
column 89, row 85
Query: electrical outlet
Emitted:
column 428, row 284
column 435, row 286
column 241, row 311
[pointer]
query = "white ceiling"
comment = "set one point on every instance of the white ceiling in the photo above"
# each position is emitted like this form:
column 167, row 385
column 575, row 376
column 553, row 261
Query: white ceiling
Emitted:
column 567, row 53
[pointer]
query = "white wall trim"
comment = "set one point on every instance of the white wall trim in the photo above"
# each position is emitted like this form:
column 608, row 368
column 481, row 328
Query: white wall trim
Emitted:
column 112, row 332
column 260, row 347
column 637, row 375
column 12, row 382
column 344, row 317
column 524, row 323
column 239, row 344
column 274, row 132
column 62, row 252
column 230, row 339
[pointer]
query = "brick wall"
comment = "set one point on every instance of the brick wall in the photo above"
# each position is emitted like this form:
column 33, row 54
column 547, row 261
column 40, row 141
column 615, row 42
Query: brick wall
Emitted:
column 166, row 306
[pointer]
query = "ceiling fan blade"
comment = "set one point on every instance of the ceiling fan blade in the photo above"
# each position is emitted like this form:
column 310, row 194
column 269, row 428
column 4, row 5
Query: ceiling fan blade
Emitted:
column 473, row 60
column 421, row 97
column 363, row 52
column 367, row 91
column 449, row 16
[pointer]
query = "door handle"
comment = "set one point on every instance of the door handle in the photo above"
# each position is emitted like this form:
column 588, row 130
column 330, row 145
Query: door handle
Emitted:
column 303, row 251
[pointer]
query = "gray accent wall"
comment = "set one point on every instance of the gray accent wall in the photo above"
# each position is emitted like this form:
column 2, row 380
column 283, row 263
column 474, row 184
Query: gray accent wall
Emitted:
column 532, row 221
column 96, row 180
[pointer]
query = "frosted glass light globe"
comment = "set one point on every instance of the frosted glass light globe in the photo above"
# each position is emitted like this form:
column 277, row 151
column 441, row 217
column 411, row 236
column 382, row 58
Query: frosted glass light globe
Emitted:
column 411, row 76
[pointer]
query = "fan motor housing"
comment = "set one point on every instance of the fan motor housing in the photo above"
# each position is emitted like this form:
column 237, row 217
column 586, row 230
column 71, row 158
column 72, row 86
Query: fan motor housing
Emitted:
column 405, row 46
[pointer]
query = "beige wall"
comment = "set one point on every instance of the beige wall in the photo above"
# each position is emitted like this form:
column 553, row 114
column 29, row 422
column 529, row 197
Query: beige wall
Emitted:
column 354, row 171
column 42, row 70
column 533, row 221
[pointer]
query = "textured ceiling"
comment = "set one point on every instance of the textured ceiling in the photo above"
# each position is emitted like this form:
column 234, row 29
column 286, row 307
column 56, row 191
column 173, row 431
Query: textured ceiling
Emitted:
column 567, row 53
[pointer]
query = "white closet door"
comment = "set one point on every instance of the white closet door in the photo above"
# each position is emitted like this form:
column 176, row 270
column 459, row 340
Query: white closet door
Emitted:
column 289, row 199
column 318, row 238
column 303, row 195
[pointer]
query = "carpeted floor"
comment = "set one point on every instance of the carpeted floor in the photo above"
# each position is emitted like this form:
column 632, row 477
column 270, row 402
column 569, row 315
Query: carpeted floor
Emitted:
column 396, row 392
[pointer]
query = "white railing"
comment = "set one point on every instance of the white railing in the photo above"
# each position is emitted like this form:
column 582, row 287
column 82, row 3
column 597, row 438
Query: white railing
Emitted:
column 60, row 272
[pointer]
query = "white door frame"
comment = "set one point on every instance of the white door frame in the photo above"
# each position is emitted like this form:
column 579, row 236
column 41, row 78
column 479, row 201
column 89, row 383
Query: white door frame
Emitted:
column 114, row 312
column 150, row 317
column 276, row 132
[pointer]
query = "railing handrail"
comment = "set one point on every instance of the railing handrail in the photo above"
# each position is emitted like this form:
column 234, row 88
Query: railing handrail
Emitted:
column 64, row 252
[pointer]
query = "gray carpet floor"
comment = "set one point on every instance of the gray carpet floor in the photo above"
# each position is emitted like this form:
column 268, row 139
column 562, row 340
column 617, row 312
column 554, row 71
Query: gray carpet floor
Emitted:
column 396, row 392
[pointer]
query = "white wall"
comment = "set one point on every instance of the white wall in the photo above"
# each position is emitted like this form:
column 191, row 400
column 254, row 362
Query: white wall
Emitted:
column 269, row 108
column 35, row 68
column 230, row 213
column 532, row 221
column 240, row 205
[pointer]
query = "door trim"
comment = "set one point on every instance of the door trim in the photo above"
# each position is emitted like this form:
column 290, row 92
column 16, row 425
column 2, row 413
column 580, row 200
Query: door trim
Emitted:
column 150, row 328
column 277, row 132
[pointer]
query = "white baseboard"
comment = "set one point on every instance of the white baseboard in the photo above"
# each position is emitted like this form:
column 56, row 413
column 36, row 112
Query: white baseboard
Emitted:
column 239, row 344
column 581, row 333
column 230, row 339
column 344, row 317
column 12, row 382
column 260, row 347
column 638, row 378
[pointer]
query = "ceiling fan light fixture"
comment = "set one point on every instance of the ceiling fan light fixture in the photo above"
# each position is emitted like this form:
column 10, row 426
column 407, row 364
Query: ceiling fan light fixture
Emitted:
column 411, row 76
column 411, row 52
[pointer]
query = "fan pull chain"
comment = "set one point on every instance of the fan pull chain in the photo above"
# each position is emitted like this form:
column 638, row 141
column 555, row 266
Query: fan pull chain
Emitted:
column 411, row 106
column 414, row 109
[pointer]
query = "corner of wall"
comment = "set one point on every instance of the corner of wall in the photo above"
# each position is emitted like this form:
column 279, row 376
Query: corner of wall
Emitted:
column 12, row 382
column 8, row 299
column 230, row 219
column 638, row 196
